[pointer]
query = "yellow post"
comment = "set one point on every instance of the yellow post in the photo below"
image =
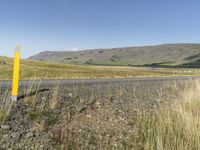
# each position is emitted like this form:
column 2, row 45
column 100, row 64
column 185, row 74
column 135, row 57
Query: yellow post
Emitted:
column 15, row 81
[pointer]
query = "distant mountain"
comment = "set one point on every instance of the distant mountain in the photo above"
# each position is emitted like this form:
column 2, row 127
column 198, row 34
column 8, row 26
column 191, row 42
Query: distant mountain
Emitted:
column 167, row 55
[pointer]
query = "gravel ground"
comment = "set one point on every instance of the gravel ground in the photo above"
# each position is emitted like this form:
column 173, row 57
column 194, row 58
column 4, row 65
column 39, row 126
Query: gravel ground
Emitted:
column 81, row 116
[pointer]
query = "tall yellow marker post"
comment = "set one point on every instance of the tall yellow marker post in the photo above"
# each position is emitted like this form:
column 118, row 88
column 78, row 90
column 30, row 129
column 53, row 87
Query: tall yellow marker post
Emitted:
column 15, row 81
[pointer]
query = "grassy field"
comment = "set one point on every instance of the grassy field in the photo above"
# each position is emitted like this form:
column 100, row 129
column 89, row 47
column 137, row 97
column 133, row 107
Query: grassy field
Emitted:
column 46, row 70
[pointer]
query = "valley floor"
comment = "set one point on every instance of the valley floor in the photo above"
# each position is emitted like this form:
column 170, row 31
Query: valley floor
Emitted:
column 48, row 70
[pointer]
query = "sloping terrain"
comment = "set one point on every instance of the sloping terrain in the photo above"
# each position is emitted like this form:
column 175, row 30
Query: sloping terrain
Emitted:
column 181, row 55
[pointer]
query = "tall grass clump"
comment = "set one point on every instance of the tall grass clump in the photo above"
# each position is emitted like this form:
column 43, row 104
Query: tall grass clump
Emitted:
column 6, row 106
column 172, row 127
column 55, row 96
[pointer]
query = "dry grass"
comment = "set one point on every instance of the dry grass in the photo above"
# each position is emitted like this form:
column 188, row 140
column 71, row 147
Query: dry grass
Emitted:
column 6, row 106
column 174, row 124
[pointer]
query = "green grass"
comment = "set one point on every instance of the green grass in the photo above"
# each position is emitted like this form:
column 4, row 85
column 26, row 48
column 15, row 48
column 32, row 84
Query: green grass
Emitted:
column 46, row 70
column 179, row 55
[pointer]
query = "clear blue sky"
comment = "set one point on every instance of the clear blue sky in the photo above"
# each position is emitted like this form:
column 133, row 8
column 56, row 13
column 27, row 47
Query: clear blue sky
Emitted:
column 39, row 25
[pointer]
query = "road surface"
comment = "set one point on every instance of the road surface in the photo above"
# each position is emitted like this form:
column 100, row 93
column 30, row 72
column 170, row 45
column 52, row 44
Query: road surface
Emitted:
column 65, row 82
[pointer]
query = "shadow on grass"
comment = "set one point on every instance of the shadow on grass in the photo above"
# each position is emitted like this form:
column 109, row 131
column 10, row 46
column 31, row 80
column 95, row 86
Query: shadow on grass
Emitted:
column 195, row 64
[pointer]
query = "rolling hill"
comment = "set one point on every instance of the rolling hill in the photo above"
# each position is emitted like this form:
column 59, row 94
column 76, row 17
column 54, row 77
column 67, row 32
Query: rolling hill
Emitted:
column 166, row 55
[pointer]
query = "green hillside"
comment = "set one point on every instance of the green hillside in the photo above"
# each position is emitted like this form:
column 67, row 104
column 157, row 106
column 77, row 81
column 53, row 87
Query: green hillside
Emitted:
column 180, row 55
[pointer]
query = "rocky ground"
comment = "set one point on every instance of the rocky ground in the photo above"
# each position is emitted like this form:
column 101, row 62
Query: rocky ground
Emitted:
column 93, row 116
